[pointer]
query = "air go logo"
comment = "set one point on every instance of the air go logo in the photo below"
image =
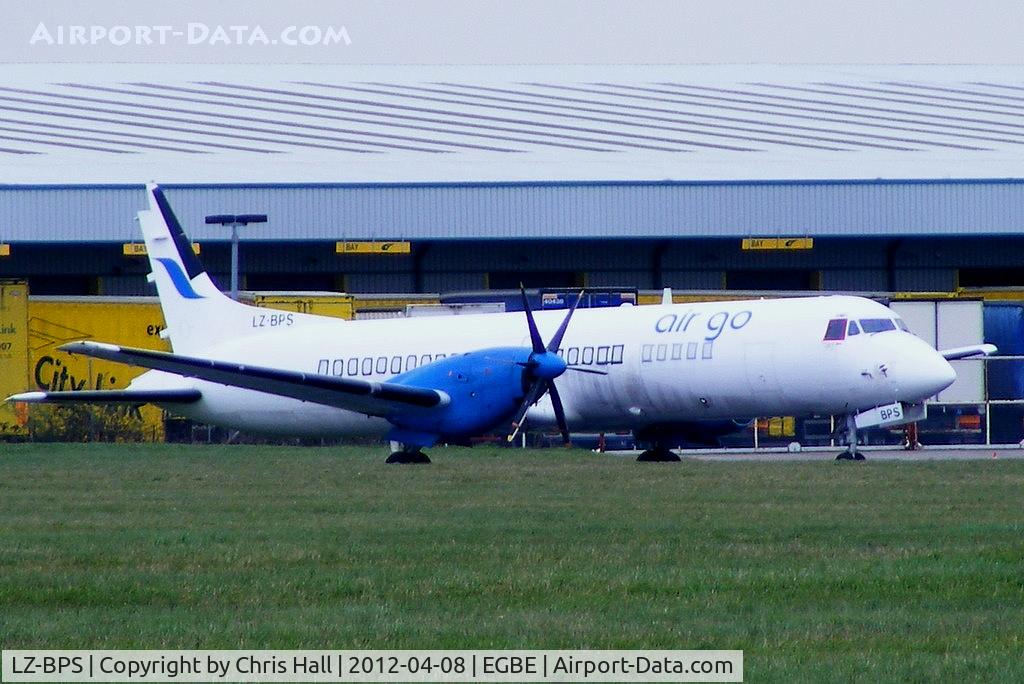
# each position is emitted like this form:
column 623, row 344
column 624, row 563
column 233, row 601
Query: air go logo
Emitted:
column 716, row 324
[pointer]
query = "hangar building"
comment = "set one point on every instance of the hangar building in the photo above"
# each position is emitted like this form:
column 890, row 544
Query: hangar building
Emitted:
column 906, row 178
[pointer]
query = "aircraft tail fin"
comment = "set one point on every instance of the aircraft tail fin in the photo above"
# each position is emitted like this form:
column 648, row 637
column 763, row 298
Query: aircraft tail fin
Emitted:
column 196, row 313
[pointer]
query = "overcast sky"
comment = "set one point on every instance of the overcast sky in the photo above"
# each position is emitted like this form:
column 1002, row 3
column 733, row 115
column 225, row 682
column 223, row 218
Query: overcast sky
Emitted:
column 524, row 31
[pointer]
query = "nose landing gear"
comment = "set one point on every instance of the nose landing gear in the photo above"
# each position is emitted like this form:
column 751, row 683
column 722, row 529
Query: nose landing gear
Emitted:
column 851, row 453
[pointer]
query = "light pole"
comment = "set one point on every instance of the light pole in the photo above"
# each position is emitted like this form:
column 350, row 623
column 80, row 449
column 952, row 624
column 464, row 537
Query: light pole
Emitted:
column 235, row 220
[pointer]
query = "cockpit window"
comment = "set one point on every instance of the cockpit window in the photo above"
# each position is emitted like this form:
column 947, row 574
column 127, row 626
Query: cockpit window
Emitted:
column 877, row 325
column 902, row 325
column 853, row 329
column 836, row 329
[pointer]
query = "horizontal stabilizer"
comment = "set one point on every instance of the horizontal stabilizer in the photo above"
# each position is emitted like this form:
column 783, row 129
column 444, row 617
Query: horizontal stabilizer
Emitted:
column 372, row 398
column 169, row 396
column 967, row 352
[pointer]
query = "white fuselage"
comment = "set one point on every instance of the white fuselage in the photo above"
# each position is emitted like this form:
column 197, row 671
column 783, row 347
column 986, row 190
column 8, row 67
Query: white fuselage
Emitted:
column 664, row 364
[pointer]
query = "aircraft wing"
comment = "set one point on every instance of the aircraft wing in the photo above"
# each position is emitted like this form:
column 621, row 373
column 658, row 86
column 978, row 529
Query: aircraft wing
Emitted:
column 371, row 398
column 967, row 352
column 169, row 396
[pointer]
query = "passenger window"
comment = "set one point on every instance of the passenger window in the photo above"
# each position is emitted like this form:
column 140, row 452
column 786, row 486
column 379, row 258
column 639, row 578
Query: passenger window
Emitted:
column 352, row 367
column 691, row 350
column 602, row 355
column 662, row 351
column 853, row 329
column 396, row 365
column 572, row 357
column 368, row 366
column 588, row 356
column 617, row 353
column 382, row 364
column 410, row 362
column 425, row 359
column 677, row 351
column 647, row 353
column 836, row 330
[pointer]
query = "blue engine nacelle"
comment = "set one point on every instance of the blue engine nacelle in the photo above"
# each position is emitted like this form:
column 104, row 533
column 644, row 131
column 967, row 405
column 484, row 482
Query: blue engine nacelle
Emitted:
column 485, row 387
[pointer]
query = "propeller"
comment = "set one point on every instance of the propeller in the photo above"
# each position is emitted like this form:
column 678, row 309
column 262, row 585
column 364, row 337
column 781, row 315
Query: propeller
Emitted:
column 543, row 366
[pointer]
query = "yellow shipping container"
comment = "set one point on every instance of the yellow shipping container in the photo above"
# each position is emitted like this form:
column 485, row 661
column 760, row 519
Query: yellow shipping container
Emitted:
column 385, row 306
column 647, row 297
column 14, row 376
column 332, row 304
column 32, row 328
column 782, row 426
column 131, row 321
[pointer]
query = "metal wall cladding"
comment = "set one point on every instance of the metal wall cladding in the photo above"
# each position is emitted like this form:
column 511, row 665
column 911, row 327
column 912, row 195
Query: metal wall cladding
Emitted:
column 380, row 282
column 693, row 280
column 69, row 213
column 530, row 210
column 637, row 278
column 925, row 280
column 856, row 280
column 454, row 282
column 529, row 255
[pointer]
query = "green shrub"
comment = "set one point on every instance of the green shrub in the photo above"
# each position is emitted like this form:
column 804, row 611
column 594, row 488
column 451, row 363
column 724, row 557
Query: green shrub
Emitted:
column 85, row 423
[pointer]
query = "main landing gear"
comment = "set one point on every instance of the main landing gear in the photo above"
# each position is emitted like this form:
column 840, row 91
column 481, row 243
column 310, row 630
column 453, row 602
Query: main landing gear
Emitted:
column 851, row 453
column 658, row 454
column 404, row 453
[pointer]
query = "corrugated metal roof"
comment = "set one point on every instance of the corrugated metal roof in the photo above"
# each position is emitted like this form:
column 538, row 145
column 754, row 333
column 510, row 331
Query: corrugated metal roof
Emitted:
column 666, row 209
column 326, row 123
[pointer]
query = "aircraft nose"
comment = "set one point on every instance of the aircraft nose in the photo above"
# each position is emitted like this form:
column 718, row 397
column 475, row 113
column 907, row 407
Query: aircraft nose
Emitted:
column 934, row 375
column 922, row 371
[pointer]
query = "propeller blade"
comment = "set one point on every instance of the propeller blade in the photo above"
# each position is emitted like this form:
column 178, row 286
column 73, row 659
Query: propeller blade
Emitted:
column 538, row 344
column 556, row 403
column 592, row 371
column 556, row 341
column 532, row 395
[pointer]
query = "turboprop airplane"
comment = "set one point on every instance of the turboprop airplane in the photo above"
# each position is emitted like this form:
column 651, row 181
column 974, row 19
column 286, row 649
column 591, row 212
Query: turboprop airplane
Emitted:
column 660, row 371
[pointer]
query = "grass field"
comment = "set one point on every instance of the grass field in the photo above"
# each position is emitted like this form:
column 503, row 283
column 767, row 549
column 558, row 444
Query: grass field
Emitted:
column 818, row 571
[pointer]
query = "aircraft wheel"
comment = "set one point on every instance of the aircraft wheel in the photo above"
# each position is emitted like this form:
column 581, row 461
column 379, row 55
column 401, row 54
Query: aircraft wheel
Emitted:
column 407, row 457
column 658, row 456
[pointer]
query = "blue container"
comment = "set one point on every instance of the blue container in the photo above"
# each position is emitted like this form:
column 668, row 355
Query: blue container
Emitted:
column 1004, row 327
